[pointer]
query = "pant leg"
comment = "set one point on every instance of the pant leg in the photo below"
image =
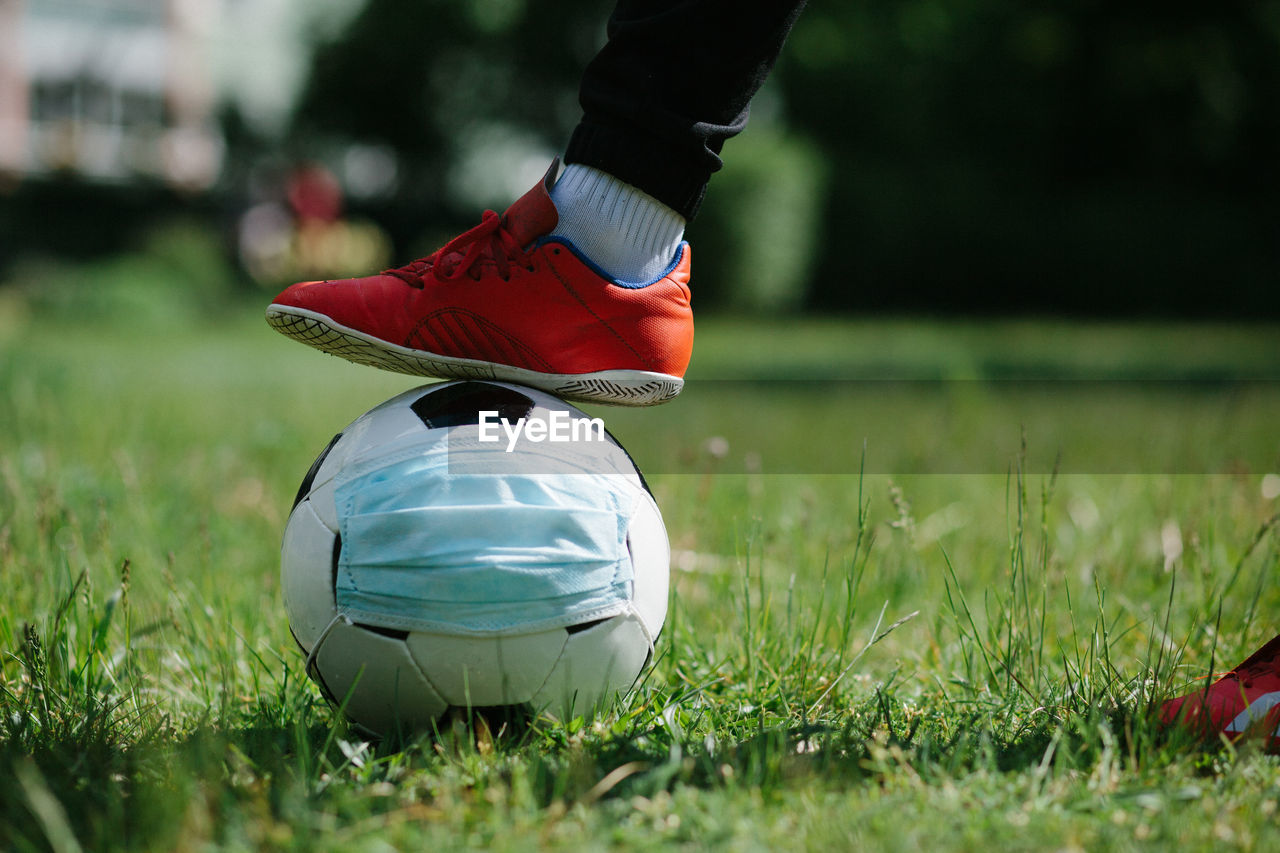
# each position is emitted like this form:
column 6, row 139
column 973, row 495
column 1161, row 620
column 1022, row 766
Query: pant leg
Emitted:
column 673, row 82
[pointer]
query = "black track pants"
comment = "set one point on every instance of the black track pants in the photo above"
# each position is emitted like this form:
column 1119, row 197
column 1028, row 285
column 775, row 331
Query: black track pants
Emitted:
column 674, row 81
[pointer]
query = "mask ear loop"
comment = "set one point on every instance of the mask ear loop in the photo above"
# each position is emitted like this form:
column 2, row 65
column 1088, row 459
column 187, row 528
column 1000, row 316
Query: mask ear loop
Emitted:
column 315, row 649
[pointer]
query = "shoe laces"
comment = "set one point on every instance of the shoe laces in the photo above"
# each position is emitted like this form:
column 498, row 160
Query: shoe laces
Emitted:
column 489, row 241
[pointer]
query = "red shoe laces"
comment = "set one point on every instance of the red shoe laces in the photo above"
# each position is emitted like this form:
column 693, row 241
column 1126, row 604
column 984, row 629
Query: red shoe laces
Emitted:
column 488, row 241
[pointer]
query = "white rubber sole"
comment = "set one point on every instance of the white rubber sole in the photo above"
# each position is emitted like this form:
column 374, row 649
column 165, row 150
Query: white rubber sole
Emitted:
column 611, row 387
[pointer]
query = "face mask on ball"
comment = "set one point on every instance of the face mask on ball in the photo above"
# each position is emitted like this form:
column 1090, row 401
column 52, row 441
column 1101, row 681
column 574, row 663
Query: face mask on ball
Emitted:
column 433, row 543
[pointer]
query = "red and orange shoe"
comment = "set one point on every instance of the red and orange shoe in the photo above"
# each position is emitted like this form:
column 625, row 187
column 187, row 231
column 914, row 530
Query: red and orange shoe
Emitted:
column 1244, row 702
column 505, row 301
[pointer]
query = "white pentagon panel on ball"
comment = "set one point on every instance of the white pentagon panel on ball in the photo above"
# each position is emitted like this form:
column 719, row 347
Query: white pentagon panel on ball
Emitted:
column 651, row 558
column 306, row 560
column 472, row 672
column 598, row 664
column 331, row 461
column 321, row 472
column 381, row 685
column 386, row 425
column 322, row 505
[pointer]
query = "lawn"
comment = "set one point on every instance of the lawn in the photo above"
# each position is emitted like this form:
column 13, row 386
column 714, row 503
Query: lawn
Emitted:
column 929, row 579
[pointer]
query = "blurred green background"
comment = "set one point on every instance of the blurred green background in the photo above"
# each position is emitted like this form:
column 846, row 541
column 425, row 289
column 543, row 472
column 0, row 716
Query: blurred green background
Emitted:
column 1078, row 158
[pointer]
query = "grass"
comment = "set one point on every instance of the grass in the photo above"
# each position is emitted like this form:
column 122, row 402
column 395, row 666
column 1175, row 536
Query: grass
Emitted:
column 927, row 614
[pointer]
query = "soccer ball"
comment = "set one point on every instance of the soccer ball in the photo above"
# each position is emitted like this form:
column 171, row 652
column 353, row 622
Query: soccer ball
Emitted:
column 446, row 552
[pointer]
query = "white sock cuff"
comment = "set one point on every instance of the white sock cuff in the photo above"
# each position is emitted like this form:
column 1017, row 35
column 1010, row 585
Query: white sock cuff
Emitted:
column 622, row 229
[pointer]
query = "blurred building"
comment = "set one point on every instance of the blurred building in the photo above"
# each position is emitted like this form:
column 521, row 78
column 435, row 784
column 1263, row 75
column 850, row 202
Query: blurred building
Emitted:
column 109, row 91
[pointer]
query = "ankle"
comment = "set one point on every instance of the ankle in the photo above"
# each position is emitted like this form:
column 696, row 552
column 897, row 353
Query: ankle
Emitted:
column 621, row 229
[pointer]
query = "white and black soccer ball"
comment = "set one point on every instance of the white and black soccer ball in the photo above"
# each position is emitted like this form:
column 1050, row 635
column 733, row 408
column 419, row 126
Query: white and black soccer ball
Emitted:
column 397, row 644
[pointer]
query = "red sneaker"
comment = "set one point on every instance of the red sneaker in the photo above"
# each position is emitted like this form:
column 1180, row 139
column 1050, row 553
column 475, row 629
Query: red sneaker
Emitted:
column 1245, row 701
column 503, row 301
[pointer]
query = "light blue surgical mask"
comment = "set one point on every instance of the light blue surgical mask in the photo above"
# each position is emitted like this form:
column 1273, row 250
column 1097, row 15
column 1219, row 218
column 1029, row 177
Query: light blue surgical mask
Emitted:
column 434, row 540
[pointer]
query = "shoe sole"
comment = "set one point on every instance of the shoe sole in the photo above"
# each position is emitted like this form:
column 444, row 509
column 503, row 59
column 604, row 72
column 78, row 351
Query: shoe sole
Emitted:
column 611, row 387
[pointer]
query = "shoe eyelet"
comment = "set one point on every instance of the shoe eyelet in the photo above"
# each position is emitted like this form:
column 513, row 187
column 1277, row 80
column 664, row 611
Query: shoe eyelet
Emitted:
column 555, row 251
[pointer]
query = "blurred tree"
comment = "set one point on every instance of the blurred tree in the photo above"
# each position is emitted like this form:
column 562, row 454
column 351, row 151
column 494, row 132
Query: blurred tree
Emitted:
column 1083, row 156
column 756, row 238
